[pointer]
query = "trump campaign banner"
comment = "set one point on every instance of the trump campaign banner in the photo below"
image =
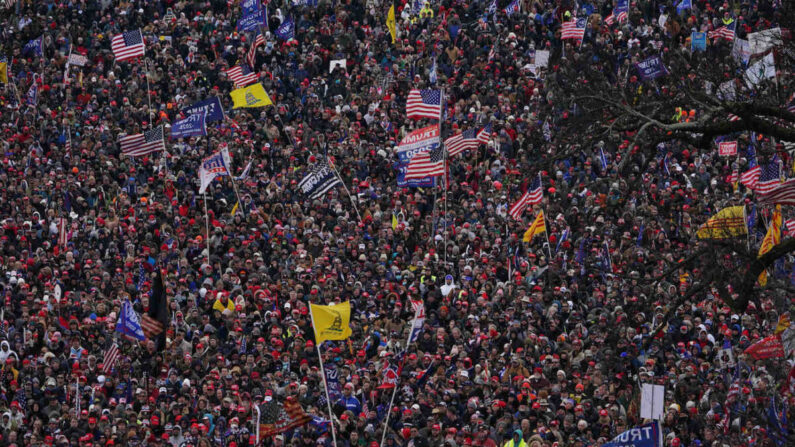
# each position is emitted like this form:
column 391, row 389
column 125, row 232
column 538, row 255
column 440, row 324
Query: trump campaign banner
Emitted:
column 192, row 126
column 252, row 22
column 698, row 41
column 212, row 106
column 766, row 348
column 651, row 68
column 212, row 167
column 648, row 435
column 727, row 148
column 420, row 140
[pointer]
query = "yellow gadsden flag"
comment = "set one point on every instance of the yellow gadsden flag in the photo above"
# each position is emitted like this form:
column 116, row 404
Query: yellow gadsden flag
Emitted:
column 729, row 222
column 3, row 72
column 390, row 22
column 537, row 227
column 251, row 96
column 331, row 322
column 772, row 238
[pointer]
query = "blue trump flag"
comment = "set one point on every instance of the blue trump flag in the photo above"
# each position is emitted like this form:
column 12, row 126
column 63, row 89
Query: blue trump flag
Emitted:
column 648, row 435
column 651, row 68
column 698, row 42
column 249, row 7
column 212, row 106
column 286, row 30
column 32, row 98
column 192, row 126
column 34, row 46
column 128, row 323
column 252, row 22
column 683, row 6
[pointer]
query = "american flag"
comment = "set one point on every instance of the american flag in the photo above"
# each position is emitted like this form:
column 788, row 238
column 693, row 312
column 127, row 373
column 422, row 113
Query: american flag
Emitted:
column 769, row 178
column 63, row 236
column 466, row 140
column 733, row 117
column 531, row 197
column 426, row 164
column 241, row 75
column 143, row 143
column 110, row 359
column 492, row 53
column 783, row 194
column 152, row 328
column 735, row 176
column 751, row 177
column 724, row 32
column 789, row 227
column 128, row 45
column 574, row 29
column 251, row 56
column 619, row 13
column 424, row 104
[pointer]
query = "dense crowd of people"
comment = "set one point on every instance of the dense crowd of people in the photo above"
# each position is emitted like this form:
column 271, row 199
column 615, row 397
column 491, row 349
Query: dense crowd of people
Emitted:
column 524, row 344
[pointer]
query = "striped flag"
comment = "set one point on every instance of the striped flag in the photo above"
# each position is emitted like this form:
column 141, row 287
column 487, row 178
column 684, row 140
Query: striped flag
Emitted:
column 789, row 227
column 154, row 322
column 424, row 104
column 319, row 181
column 251, row 56
column 769, row 178
column 733, row 118
column 751, row 177
column 128, row 45
column 426, row 164
column 152, row 328
column 110, row 359
column 619, row 13
column 574, row 29
column 724, row 32
column 484, row 136
column 63, row 236
column 533, row 196
column 143, row 143
column 537, row 227
column 467, row 140
column 242, row 76
column 783, row 194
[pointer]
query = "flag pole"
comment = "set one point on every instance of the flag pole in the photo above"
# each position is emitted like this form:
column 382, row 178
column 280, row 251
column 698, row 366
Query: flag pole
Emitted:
column 148, row 91
column 444, row 153
column 234, row 186
column 207, row 228
column 546, row 227
column 256, row 429
column 323, row 375
column 397, row 381
column 583, row 32
column 334, row 168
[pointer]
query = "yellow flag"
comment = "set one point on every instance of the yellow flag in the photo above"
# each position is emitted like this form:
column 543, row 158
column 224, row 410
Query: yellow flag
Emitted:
column 4, row 72
column 390, row 22
column 782, row 325
column 772, row 238
column 728, row 222
column 537, row 227
column 251, row 96
column 394, row 222
column 234, row 208
column 331, row 322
